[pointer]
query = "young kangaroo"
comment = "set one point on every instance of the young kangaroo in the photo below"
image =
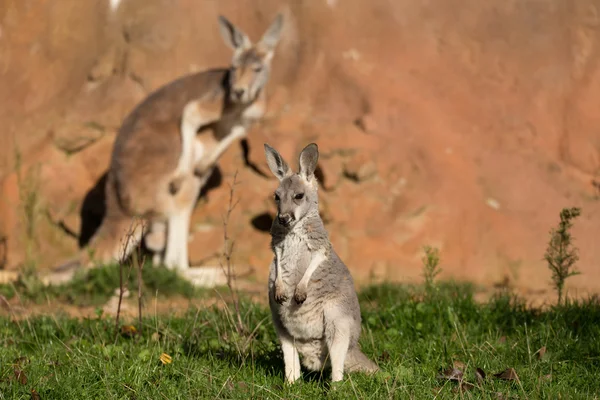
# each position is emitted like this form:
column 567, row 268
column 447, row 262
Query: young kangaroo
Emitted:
column 159, row 161
column 324, row 317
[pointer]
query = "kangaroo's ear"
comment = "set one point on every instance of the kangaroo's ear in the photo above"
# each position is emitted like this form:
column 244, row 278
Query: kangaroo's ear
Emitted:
column 234, row 37
column 309, row 157
column 276, row 163
column 272, row 35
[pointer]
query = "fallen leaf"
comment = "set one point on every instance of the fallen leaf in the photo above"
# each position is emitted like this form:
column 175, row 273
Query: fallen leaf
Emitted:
column 480, row 375
column 547, row 377
column 165, row 359
column 20, row 376
column 541, row 352
column 35, row 395
column 436, row 390
column 20, row 361
column 508, row 374
column 384, row 356
column 155, row 337
column 128, row 330
column 451, row 374
column 463, row 387
column 459, row 365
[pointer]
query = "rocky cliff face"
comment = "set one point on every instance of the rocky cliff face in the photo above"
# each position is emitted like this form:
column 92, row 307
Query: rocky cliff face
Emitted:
column 465, row 125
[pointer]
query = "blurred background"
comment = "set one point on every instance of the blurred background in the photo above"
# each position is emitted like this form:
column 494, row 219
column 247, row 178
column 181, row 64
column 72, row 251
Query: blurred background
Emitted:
column 464, row 125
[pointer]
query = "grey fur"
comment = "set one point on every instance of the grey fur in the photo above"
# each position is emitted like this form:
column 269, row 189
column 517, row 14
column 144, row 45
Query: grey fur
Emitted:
column 322, row 321
column 273, row 34
column 232, row 35
column 308, row 160
column 248, row 60
column 276, row 163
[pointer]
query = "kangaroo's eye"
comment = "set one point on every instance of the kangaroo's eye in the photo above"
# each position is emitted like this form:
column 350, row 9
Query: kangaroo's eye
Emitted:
column 276, row 196
column 299, row 196
column 257, row 68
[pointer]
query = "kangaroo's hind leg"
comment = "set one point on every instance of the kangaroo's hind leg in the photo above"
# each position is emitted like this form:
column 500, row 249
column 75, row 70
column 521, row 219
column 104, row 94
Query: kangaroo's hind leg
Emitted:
column 155, row 240
column 176, row 252
column 337, row 336
column 291, row 358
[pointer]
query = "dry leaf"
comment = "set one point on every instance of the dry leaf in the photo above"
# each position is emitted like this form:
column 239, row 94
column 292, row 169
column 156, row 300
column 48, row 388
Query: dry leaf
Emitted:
column 547, row 377
column 480, row 375
column 20, row 376
column 165, row 358
column 541, row 352
column 459, row 365
column 508, row 374
column 35, row 395
column 436, row 390
column 155, row 337
column 20, row 361
column 128, row 330
column 451, row 374
column 385, row 356
column 463, row 387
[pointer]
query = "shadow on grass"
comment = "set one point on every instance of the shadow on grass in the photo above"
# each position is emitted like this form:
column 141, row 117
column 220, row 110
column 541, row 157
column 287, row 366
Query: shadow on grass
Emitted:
column 263, row 353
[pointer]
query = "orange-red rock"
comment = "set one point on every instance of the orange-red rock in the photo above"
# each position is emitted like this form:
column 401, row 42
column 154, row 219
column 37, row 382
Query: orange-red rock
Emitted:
column 477, row 121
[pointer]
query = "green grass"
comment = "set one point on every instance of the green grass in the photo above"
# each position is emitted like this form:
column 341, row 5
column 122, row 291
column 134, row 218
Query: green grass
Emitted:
column 412, row 336
column 97, row 285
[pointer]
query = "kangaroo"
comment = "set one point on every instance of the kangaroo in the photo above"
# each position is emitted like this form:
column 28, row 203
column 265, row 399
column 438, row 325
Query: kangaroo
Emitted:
column 160, row 162
column 324, row 317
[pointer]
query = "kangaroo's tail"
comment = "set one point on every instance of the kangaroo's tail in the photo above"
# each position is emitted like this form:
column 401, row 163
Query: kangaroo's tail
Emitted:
column 357, row 361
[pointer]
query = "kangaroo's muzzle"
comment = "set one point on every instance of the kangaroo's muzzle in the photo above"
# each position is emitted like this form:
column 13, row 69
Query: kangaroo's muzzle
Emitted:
column 285, row 219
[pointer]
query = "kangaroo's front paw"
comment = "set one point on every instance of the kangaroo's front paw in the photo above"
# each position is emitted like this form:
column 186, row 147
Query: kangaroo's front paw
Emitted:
column 280, row 296
column 300, row 294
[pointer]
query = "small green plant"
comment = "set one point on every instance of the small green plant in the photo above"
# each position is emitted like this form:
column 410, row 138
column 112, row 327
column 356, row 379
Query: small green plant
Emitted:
column 431, row 268
column 29, row 209
column 228, row 267
column 561, row 255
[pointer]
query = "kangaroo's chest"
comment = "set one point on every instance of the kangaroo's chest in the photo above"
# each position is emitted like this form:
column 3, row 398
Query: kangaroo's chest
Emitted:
column 238, row 119
column 293, row 256
column 303, row 321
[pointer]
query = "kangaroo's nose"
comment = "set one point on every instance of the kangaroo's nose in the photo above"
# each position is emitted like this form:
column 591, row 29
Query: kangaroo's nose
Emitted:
column 285, row 219
column 238, row 93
